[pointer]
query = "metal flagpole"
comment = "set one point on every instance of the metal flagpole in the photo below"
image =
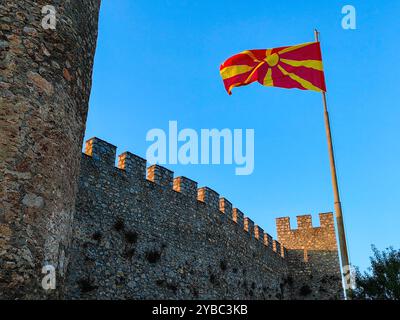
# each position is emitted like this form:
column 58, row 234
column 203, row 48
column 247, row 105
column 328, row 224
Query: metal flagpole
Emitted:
column 338, row 207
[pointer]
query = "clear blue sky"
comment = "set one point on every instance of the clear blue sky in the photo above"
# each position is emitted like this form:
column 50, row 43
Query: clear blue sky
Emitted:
column 159, row 61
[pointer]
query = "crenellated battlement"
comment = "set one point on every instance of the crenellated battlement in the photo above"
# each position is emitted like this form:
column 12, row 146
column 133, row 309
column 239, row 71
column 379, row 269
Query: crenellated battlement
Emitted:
column 225, row 206
column 306, row 236
column 209, row 197
column 305, row 222
column 134, row 167
column 316, row 246
column 186, row 186
column 161, row 176
column 101, row 150
column 312, row 250
column 188, row 241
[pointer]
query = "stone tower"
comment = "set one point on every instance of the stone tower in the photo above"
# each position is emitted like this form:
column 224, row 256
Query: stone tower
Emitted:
column 45, row 82
column 313, row 256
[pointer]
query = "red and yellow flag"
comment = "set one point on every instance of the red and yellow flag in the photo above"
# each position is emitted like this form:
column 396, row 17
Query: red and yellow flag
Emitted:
column 297, row 66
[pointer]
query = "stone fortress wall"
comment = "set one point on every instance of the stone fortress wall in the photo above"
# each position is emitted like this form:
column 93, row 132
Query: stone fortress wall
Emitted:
column 113, row 232
column 160, row 237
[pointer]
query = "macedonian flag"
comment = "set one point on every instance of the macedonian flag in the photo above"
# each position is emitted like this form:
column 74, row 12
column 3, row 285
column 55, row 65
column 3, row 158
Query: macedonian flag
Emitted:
column 286, row 67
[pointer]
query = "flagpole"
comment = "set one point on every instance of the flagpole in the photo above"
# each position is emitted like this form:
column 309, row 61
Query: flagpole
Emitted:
column 338, row 206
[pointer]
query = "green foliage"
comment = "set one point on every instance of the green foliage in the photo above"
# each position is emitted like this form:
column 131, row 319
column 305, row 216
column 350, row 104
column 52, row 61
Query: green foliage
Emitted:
column 382, row 281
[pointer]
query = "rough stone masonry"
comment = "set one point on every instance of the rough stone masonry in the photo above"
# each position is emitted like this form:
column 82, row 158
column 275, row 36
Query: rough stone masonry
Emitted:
column 45, row 82
column 120, row 234
column 160, row 237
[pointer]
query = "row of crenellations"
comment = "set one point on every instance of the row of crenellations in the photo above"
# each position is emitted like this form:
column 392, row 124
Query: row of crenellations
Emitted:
column 135, row 167
column 304, row 222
